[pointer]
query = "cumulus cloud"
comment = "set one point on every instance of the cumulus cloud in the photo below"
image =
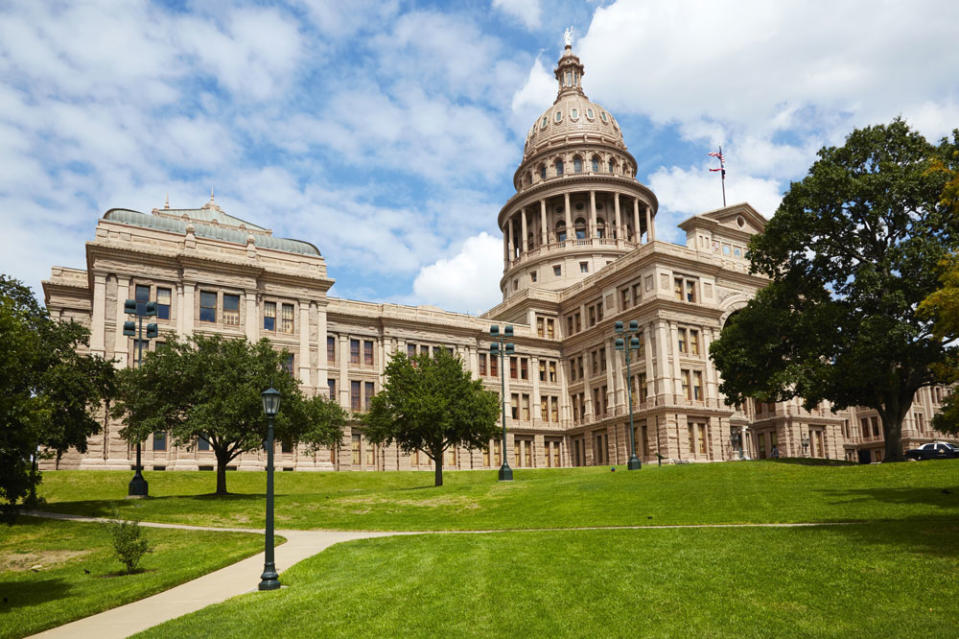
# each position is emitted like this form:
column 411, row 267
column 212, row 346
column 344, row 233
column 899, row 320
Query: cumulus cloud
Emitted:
column 467, row 281
column 526, row 11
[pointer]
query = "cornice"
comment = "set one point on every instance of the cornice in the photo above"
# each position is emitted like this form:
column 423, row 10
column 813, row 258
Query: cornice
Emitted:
column 575, row 182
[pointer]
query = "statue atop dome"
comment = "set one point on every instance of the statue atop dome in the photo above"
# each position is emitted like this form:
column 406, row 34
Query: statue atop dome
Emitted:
column 568, row 37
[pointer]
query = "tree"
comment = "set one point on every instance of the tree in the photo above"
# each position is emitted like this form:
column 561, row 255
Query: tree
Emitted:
column 942, row 306
column 852, row 251
column 47, row 390
column 209, row 387
column 431, row 404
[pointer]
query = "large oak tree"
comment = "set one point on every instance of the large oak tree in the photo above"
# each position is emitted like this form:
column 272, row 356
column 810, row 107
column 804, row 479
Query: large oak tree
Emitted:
column 851, row 252
column 431, row 404
column 209, row 388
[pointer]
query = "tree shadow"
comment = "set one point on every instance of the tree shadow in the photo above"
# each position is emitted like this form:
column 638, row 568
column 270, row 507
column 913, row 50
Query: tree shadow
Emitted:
column 942, row 497
column 809, row 461
column 936, row 536
column 107, row 508
column 18, row 594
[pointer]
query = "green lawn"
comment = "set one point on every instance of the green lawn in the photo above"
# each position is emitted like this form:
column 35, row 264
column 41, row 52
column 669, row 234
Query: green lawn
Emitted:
column 893, row 579
column 474, row 500
column 80, row 575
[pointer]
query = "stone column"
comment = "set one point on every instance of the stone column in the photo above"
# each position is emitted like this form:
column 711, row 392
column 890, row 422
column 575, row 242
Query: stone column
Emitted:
column 591, row 232
column 322, row 369
column 512, row 240
column 304, row 355
column 620, row 402
column 637, row 237
column 570, row 231
column 252, row 316
column 120, row 346
column 662, row 368
column 98, row 319
column 188, row 308
column 712, row 383
column 523, row 240
column 535, row 399
column 344, row 383
column 505, row 246
column 544, row 228
column 613, row 373
column 650, row 228
column 619, row 218
column 677, row 376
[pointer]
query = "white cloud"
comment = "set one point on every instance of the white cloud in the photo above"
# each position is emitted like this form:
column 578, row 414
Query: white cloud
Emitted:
column 466, row 282
column 526, row 11
column 534, row 97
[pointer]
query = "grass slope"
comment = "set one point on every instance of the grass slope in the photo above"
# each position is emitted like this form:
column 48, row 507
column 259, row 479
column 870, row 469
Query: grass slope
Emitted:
column 894, row 579
column 470, row 500
column 80, row 575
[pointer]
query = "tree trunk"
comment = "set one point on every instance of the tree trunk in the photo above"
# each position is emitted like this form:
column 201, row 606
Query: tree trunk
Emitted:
column 438, row 470
column 222, row 459
column 895, row 411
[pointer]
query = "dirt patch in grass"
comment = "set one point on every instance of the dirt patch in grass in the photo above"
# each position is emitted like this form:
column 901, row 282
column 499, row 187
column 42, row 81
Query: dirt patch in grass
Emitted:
column 21, row 562
column 436, row 502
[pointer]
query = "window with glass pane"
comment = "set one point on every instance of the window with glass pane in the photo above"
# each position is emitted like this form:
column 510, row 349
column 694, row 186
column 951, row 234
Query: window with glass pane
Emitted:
column 494, row 366
column 142, row 296
column 525, row 408
column 595, row 164
column 691, row 433
column 693, row 342
column 552, row 371
column 368, row 353
column 703, row 440
column 528, row 452
column 550, row 328
column 559, row 167
column 524, row 368
column 697, row 385
column 286, row 318
column 368, row 395
column 514, row 406
column 163, row 303
column 513, row 372
column 331, row 384
column 371, row 455
column 159, row 440
column 577, row 164
column 482, row 364
column 411, row 350
column 544, row 408
column 354, row 351
column 554, row 408
column 269, row 316
column 288, row 364
column 355, row 396
column 231, row 309
column 687, row 392
column 202, row 443
column 207, row 306
column 682, row 339
column 330, row 349
column 355, row 441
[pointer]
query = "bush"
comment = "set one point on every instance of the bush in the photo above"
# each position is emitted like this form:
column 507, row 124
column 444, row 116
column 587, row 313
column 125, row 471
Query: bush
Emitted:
column 129, row 543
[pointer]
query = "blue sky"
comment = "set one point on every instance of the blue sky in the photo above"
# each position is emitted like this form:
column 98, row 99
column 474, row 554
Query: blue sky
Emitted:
column 387, row 133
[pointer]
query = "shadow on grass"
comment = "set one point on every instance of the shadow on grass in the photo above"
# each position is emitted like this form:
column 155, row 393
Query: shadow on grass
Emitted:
column 31, row 593
column 934, row 536
column 943, row 497
column 809, row 461
column 108, row 507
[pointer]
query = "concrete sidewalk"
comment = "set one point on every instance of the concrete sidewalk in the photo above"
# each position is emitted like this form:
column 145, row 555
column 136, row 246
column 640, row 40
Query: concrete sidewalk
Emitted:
column 236, row 579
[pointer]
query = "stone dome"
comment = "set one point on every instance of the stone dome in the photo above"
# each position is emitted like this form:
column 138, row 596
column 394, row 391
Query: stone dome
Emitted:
column 572, row 116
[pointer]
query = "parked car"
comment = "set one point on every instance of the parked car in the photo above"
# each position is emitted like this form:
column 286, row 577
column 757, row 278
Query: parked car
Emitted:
column 933, row 450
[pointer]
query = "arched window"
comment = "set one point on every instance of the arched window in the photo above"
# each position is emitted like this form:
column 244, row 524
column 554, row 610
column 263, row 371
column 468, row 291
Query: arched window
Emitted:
column 577, row 164
column 580, row 228
column 542, row 171
column 530, row 242
column 595, row 164
column 600, row 227
column 561, row 231
column 612, row 165
column 559, row 167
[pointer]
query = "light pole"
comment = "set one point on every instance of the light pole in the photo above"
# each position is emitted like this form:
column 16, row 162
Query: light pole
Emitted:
column 138, row 485
column 632, row 345
column 500, row 347
column 269, row 580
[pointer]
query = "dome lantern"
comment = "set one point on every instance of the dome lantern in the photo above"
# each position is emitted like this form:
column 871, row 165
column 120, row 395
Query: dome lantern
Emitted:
column 569, row 73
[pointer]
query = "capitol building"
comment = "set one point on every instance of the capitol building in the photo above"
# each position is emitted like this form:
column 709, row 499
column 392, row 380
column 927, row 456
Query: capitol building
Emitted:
column 579, row 254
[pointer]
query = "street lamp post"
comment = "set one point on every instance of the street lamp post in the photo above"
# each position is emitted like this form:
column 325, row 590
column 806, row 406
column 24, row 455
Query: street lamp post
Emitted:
column 138, row 485
column 500, row 347
column 631, row 345
column 269, row 580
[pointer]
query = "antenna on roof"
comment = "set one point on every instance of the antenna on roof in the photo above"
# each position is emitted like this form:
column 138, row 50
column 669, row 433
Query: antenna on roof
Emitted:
column 211, row 192
column 166, row 204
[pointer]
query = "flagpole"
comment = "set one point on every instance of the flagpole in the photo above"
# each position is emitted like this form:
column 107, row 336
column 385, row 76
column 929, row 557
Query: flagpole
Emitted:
column 722, row 163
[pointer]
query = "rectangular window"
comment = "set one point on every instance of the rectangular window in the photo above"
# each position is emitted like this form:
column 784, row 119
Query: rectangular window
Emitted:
column 269, row 316
column 544, row 408
column 370, row 456
column 691, row 435
column 202, row 443
column 584, row 267
column 524, row 368
column 698, row 385
column 687, row 390
column 693, row 342
column 637, row 292
column 624, row 298
column 493, row 366
column 513, row 371
column 524, row 406
column 552, row 371
column 540, row 327
column 141, row 293
column 569, row 324
column 368, row 395
column 920, row 426
column 602, row 359
column 557, row 270
column 368, row 353
column 703, row 440
column 604, row 399
column 330, row 349
column 355, row 396
column 231, row 309
column 411, row 350
column 207, row 306
column 592, row 315
column 682, row 339
column 579, row 366
column 286, row 318
column 159, row 440
column 684, row 289
column 354, row 351
column 331, row 385
column 164, row 296
column 356, row 447
column 554, row 408
column 514, row 405
column 550, row 328
column 528, row 452
column 482, row 364
column 288, row 364
column 579, row 325
column 574, row 401
column 643, row 389
column 875, row 426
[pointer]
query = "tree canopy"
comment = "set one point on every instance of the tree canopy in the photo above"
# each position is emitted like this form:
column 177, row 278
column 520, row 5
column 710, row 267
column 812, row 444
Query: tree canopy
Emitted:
column 209, row 388
column 47, row 390
column 851, row 252
column 431, row 404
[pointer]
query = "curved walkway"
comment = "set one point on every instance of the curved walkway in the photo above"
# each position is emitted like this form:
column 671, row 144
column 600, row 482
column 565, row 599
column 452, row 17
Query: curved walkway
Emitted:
column 242, row 577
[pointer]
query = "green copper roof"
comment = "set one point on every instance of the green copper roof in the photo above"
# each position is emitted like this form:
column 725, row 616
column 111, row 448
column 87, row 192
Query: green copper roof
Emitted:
column 211, row 231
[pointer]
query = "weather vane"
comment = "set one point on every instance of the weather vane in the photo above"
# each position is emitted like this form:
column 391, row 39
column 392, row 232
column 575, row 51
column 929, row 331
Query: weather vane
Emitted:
column 568, row 37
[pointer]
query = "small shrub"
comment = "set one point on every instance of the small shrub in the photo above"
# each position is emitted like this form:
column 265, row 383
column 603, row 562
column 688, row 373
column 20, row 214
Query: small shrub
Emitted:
column 129, row 543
